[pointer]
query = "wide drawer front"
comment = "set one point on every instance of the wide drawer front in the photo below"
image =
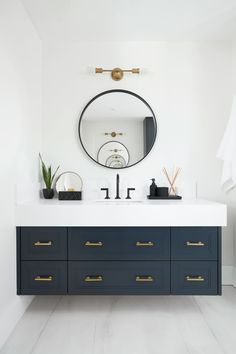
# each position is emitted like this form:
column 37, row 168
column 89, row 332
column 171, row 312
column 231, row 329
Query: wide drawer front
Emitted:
column 194, row 243
column 43, row 277
column 43, row 243
column 119, row 277
column 122, row 243
column 194, row 278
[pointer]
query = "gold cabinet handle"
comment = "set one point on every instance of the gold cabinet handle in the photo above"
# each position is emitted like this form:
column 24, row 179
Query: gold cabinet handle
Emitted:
column 93, row 278
column 195, row 278
column 43, row 278
column 144, row 278
column 43, row 243
column 195, row 244
column 94, row 244
column 144, row 244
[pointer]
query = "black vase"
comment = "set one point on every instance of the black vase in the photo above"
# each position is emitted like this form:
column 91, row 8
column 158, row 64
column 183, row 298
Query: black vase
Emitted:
column 48, row 193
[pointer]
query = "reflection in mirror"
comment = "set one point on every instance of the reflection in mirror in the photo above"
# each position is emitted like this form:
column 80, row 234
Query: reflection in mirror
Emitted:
column 113, row 154
column 117, row 128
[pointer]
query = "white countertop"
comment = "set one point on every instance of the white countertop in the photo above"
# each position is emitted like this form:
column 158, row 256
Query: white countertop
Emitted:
column 53, row 212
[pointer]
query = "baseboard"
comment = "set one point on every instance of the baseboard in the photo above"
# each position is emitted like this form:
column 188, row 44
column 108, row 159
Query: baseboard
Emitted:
column 229, row 275
column 12, row 315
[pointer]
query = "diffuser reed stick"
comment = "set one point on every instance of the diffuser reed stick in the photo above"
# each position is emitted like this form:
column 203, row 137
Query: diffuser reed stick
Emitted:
column 172, row 179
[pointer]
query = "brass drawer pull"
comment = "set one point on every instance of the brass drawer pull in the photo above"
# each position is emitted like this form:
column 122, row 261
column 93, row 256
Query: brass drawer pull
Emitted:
column 195, row 278
column 195, row 244
column 93, row 244
column 43, row 243
column 43, row 278
column 144, row 244
column 144, row 278
column 93, row 278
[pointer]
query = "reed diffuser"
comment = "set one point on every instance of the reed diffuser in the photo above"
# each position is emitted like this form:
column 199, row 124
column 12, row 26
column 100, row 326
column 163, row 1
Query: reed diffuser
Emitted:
column 172, row 179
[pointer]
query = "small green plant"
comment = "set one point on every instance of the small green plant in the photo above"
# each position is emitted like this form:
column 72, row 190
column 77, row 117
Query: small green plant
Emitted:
column 47, row 173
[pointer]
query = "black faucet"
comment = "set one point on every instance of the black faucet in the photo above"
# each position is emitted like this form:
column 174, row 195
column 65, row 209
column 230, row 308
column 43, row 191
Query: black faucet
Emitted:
column 107, row 192
column 117, row 187
column 128, row 192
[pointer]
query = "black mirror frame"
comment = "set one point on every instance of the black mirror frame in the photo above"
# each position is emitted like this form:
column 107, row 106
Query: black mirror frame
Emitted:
column 102, row 94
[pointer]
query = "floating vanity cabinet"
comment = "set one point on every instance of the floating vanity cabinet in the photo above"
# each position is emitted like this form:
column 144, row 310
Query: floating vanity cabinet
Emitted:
column 42, row 260
column 194, row 278
column 119, row 260
column 118, row 243
column 43, row 243
column 43, row 277
column 196, row 260
column 194, row 244
column 126, row 277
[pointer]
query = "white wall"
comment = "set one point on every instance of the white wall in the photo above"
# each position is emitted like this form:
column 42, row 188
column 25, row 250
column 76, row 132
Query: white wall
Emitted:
column 232, row 194
column 188, row 85
column 20, row 137
column 234, row 65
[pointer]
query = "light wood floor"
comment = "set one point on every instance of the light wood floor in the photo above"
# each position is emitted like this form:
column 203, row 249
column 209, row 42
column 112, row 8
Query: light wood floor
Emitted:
column 127, row 325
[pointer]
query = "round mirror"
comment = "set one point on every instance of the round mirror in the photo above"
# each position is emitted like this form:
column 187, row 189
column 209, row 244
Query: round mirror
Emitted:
column 113, row 154
column 117, row 128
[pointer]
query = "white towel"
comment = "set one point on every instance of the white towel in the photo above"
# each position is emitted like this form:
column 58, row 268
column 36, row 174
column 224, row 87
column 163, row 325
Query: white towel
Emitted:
column 227, row 151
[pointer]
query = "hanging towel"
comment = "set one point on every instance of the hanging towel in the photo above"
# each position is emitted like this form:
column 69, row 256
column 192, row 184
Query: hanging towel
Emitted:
column 227, row 152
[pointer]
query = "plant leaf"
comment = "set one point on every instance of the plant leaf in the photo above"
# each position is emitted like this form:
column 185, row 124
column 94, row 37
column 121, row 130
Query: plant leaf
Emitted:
column 55, row 173
column 47, row 173
column 50, row 176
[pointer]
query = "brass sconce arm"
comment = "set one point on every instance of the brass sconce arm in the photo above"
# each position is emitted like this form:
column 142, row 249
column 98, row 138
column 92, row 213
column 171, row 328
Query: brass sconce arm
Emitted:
column 117, row 73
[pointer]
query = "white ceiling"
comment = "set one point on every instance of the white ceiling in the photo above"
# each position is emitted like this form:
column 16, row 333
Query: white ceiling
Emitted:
column 133, row 20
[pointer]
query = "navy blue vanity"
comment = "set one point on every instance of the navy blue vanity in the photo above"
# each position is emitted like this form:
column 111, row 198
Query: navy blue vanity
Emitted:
column 119, row 260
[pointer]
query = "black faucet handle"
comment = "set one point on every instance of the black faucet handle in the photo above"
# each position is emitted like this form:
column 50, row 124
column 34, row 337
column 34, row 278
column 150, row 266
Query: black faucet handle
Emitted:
column 128, row 192
column 107, row 192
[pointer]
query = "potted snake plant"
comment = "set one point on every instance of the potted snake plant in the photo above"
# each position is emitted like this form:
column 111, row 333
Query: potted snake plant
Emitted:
column 48, row 178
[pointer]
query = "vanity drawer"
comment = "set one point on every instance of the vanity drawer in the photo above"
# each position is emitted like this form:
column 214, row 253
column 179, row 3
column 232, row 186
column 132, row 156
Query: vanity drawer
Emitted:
column 194, row 278
column 119, row 243
column 43, row 277
column 118, row 277
column 194, row 243
column 43, row 243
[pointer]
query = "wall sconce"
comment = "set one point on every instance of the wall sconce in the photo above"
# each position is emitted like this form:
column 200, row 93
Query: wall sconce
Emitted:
column 117, row 73
column 113, row 134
